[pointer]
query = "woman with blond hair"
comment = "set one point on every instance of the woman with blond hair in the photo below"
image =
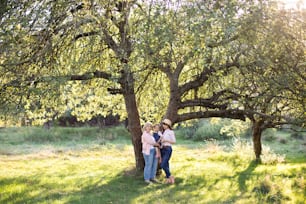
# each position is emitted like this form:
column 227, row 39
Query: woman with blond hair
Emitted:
column 167, row 139
column 149, row 153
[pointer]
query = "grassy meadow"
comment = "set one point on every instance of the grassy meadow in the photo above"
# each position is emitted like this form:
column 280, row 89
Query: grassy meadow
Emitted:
column 91, row 165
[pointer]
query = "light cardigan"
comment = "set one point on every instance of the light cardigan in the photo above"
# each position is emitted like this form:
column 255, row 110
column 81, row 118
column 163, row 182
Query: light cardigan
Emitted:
column 168, row 135
column 147, row 142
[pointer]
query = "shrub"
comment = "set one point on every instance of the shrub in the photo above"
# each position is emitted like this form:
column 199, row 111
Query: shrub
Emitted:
column 113, row 133
column 299, row 182
column 212, row 146
column 269, row 134
column 235, row 128
column 242, row 148
column 269, row 157
column 264, row 187
column 207, row 131
column 269, row 192
column 283, row 141
column 186, row 132
column 297, row 135
column 214, row 128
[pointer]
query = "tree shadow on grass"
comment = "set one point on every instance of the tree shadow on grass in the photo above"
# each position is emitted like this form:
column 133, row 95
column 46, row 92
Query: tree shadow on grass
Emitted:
column 25, row 186
column 129, row 187
column 245, row 175
column 123, row 188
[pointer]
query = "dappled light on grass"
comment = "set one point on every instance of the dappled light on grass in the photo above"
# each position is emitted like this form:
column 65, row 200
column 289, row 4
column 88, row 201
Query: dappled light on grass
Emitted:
column 89, row 172
column 42, row 177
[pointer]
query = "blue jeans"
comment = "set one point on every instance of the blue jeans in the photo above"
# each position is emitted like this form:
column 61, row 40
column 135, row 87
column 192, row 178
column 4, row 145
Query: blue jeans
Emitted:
column 166, row 153
column 150, row 165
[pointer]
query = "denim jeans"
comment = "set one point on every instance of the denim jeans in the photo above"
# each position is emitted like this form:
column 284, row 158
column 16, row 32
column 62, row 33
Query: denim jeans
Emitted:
column 166, row 153
column 150, row 165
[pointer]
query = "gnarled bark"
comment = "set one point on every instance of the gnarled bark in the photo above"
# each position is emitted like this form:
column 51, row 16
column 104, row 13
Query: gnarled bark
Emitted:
column 134, row 128
column 257, row 131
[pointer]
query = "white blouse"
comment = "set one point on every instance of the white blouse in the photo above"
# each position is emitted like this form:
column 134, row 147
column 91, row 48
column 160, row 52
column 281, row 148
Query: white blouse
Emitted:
column 168, row 135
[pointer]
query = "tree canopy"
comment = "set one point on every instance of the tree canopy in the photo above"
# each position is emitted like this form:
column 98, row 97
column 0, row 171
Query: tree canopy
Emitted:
column 147, row 60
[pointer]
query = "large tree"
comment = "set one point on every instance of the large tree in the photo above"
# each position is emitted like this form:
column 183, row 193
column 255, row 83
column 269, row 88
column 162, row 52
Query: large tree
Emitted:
column 230, row 59
column 274, row 94
column 47, row 44
column 88, row 56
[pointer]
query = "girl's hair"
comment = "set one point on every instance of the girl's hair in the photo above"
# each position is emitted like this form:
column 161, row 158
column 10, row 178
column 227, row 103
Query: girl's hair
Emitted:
column 160, row 127
column 146, row 125
column 157, row 125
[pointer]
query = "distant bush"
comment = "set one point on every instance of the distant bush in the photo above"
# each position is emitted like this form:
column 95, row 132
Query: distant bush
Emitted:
column 69, row 120
column 269, row 134
column 208, row 131
column 235, row 128
column 214, row 128
column 185, row 132
column 269, row 157
column 297, row 135
column 242, row 147
column 212, row 146
column 114, row 133
column 283, row 141
column 58, row 134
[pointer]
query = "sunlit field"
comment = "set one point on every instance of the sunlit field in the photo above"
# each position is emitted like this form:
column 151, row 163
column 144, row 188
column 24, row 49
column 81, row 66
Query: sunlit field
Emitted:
column 88, row 165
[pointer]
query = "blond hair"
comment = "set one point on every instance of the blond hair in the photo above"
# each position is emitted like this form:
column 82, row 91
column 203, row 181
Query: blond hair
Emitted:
column 146, row 125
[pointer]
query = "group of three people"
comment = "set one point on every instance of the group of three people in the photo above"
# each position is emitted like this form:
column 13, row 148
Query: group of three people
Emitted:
column 157, row 147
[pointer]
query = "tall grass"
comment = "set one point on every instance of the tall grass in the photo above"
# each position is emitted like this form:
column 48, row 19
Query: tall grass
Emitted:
column 29, row 139
column 90, row 171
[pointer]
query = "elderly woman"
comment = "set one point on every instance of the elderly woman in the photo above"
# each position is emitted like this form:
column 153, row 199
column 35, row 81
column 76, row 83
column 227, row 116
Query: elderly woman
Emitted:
column 167, row 139
column 149, row 153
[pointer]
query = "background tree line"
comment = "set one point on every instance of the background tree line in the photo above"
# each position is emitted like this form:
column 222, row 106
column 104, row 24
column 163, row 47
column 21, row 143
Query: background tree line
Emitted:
column 147, row 60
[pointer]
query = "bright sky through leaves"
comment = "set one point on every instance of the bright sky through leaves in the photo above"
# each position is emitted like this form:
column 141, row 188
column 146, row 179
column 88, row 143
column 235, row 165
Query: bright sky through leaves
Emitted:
column 294, row 3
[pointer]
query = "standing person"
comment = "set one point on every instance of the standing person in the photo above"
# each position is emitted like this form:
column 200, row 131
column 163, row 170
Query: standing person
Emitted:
column 167, row 139
column 149, row 153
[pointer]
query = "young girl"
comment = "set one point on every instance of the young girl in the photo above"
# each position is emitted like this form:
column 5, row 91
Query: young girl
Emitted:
column 157, row 134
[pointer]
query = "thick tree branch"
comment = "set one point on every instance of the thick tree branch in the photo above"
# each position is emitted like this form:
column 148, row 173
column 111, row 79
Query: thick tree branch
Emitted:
column 32, row 80
column 203, row 77
column 232, row 113
column 201, row 102
column 87, row 76
column 222, row 42
column 209, row 102
column 111, row 42
column 86, row 34
column 114, row 91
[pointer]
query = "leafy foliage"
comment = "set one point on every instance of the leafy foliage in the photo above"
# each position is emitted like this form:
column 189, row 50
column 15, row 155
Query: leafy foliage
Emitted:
column 146, row 60
column 214, row 128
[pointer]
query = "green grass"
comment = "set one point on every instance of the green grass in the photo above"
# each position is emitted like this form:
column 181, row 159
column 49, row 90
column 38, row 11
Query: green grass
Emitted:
column 88, row 165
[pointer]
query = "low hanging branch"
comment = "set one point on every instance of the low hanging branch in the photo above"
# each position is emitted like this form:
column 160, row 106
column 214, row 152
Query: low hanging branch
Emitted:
column 85, row 34
column 211, row 102
column 32, row 81
column 231, row 113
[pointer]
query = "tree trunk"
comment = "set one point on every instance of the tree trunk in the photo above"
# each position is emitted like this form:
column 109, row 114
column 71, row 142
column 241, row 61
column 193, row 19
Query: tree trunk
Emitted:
column 172, row 108
column 135, row 129
column 257, row 131
column 133, row 119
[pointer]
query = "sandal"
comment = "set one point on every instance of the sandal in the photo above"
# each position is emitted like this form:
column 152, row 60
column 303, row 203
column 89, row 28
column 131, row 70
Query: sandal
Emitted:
column 172, row 180
column 168, row 181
